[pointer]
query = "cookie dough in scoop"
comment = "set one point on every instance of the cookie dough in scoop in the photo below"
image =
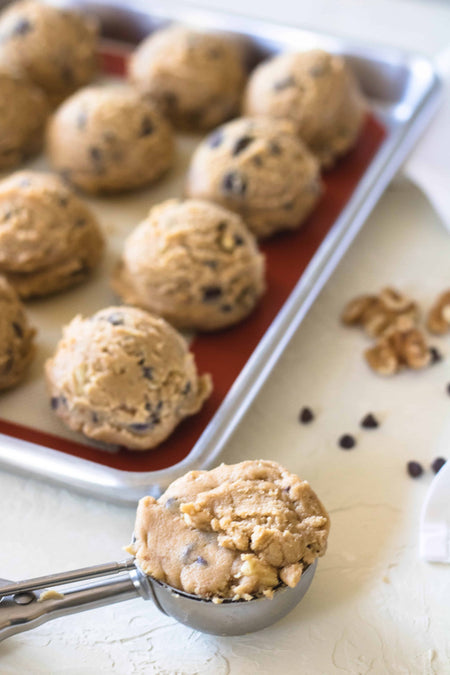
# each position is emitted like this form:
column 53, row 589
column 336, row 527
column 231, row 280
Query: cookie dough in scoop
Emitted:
column 238, row 531
column 124, row 376
column 194, row 263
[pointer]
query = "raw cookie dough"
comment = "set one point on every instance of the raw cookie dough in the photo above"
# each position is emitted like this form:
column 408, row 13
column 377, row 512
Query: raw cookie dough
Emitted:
column 124, row 376
column 196, row 78
column 54, row 48
column 23, row 114
column 317, row 92
column 194, row 263
column 49, row 239
column 237, row 531
column 16, row 337
column 260, row 169
column 108, row 139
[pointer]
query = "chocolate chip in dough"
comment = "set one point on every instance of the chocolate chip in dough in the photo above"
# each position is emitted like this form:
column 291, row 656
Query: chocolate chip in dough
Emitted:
column 22, row 27
column 347, row 442
column 437, row 464
column 211, row 293
column 234, row 183
column 147, row 127
column 241, row 144
column 414, row 469
column 17, row 329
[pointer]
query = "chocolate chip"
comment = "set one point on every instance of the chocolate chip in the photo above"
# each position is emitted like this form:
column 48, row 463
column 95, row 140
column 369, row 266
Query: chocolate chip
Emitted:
column 306, row 415
column 147, row 127
column 226, row 308
column 115, row 319
column 437, row 464
column 274, row 148
column 288, row 206
column 147, row 372
column 139, row 427
column 186, row 389
column 95, row 154
column 22, row 27
column 238, row 240
column 211, row 293
column 94, row 417
column 54, row 402
column 241, row 144
column 347, row 442
column 17, row 329
column 171, row 504
column 284, row 84
column 186, row 553
column 222, row 226
column 215, row 139
column 414, row 469
column 80, row 222
column 257, row 160
column 369, row 422
column 235, row 183
column 435, row 354
column 63, row 201
column 201, row 561
column 212, row 264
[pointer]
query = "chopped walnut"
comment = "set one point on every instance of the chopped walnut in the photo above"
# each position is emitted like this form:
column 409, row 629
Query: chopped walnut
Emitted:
column 438, row 321
column 380, row 315
column 397, row 350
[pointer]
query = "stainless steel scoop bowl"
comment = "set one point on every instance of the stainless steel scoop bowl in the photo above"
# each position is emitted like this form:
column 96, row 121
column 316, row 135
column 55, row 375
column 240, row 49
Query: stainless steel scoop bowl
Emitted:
column 25, row 605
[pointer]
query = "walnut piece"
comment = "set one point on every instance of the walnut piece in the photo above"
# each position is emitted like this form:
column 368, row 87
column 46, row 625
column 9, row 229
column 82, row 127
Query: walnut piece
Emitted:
column 380, row 315
column 399, row 349
column 438, row 321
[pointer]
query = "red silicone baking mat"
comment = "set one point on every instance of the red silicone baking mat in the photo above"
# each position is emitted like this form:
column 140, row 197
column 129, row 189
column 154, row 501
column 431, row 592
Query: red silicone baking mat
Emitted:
column 225, row 353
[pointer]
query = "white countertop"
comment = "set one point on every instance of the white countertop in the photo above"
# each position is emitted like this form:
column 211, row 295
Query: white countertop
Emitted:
column 374, row 606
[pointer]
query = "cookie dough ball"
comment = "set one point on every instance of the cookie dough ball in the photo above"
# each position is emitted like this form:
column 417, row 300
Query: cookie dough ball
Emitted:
column 23, row 114
column 54, row 48
column 317, row 92
column 194, row 263
column 49, row 240
column 260, row 169
column 238, row 531
column 16, row 337
column 196, row 78
column 124, row 376
column 108, row 139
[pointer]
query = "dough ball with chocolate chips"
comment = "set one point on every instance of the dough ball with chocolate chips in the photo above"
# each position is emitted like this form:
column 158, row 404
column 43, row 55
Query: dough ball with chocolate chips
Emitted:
column 317, row 92
column 23, row 114
column 237, row 532
column 108, row 139
column 16, row 337
column 124, row 376
column 259, row 169
column 49, row 239
column 195, row 78
column 54, row 48
column 194, row 263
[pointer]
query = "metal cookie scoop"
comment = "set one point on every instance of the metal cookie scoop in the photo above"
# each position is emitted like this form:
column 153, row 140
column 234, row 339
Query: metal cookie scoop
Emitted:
column 25, row 605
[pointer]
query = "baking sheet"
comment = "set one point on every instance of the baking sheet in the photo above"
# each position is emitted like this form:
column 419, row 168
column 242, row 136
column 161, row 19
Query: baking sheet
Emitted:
column 35, row 441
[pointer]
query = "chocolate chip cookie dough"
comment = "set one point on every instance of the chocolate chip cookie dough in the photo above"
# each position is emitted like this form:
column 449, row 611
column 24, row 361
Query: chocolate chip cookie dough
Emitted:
column 260, row 169
column 124, row 376
column 49, row 240
column 194, row 263
column 195, row 78
column 56, row 49
column 23, row 114
column 317, row 92
column 108, row 139
column 238, row 531
column 16, row 337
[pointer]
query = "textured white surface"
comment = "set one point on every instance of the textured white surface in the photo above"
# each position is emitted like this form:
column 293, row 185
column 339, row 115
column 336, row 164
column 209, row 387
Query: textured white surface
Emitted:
column 374, row 606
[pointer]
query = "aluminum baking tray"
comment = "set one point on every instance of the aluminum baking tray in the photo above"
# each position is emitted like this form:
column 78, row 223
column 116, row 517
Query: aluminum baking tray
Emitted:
column 403, row 90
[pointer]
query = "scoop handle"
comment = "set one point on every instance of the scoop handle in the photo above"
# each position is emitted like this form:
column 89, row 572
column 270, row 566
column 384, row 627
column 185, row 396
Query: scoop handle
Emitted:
column 23, row 607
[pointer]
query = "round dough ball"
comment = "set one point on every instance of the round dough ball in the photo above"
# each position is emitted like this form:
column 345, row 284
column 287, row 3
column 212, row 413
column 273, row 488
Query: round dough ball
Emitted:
column 124, row 376
column 49, row 239
column 16, row 337
column 260, row 169
column 194, row 263
column 108, row 139
column 54, row 48
column 317, row 93
column 196, row 78
column 23, row 114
